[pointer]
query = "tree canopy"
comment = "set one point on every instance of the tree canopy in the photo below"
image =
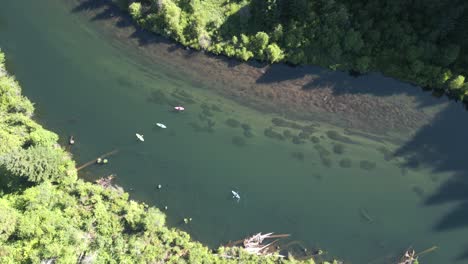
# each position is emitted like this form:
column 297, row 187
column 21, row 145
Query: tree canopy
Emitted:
column 422, row 41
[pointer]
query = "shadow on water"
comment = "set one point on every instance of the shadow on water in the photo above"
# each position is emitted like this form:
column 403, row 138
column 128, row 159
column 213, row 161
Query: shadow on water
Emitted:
column 440, row 146
column 107, row 10
column 344, row 83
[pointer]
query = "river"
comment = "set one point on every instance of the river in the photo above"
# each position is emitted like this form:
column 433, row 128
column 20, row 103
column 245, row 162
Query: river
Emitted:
column 361, row 167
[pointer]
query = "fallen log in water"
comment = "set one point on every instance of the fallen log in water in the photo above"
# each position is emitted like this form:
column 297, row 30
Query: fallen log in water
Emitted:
column 94, row 160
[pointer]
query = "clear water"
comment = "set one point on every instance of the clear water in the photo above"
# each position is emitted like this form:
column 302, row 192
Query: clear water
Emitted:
column 103, row 89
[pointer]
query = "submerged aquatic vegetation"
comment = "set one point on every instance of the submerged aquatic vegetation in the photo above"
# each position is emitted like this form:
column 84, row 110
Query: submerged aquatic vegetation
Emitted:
column 231, row 122
column 367, row 165
column 334, row 135
column 388, row 155
column 297, row 140
column 303, row 135
column 183, row 96
column 247, row 130
column 269, row 132
column 248, row 134
column 287, row 134
column 314, row 139
column 418, row 191
column 317, row 176
column 207, row 113
column 202, row 117
column 197, row 127
column 238, row 141
column 246, row 126
column 345, row 163
column 158, row 97
column 324, row 155
column 206, row 110
column 321, row 150
column 326, row 161
column 338, row 148
column 210, row 123
column 285, row 123
column 298, row 155
column 216, row 108
column 309, row 129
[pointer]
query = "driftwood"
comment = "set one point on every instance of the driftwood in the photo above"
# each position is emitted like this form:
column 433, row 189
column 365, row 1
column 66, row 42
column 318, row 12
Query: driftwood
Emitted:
column 254, row 244
column 105, row 182
column 94, row 160
column 409, row 257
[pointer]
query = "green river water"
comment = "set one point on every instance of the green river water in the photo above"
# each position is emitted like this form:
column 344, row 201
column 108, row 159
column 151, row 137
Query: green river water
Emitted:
column 364, row 199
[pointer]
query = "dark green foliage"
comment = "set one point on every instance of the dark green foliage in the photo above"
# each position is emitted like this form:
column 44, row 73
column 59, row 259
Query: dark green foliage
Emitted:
column 37, row 163
column 314, row 139
column 424, row 42
column 338, row 137
column 386, row 152
column 345, row 163
column 231, row 122
column 298, row 155
column 287, row 133
column 238, row 141
column 367, row 165
column 269, row 132
column 27, row 150
column 297, row 140
column 338, row 148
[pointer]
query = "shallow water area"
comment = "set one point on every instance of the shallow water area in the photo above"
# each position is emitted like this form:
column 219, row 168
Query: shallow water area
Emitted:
column 329, row 176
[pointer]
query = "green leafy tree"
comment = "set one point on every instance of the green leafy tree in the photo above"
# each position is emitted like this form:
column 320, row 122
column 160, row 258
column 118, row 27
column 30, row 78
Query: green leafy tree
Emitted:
column 260, row 42
column 353, row 41
column 8, row 219
column 2, row 59
column 457, row 82
column 38, row 163
column 274, row 53
column 135, row 10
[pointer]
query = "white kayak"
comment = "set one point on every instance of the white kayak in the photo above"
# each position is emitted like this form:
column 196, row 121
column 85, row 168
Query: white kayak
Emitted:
column 140, row 137
column 161, row 125
column 235, row 195
column 179, row 108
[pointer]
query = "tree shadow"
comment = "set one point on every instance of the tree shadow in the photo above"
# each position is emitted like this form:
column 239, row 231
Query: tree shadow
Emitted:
column 441, row 146
column 342, row 83
column 109, row 11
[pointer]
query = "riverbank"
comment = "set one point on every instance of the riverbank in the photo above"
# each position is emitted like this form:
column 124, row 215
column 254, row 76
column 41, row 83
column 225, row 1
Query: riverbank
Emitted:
column 48, row 215
column 340, row 35
column 307, row 93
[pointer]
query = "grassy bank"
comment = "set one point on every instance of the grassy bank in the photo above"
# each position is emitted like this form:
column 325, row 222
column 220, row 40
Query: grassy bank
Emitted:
column 49, row 215
column 422, row 42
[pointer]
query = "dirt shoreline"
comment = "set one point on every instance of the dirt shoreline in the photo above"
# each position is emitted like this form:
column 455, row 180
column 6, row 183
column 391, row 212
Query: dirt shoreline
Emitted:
column 374, row 103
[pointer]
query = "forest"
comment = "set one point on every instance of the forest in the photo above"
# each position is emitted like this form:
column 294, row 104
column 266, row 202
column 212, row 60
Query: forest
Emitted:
column 424, row 42
column 49, row 215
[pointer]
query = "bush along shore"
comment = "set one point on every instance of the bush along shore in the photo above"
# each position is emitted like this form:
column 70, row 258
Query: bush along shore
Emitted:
column 48, row 215
column 422, row 42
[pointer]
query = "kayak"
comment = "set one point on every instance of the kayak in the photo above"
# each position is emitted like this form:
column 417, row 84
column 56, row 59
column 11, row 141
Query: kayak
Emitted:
column 179, row 108
column 140, row 137
column 161, row 125
column 235, row 195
